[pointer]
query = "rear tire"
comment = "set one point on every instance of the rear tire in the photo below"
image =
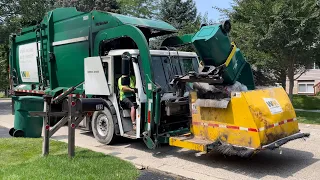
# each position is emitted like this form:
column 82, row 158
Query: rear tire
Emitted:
column 103, row 127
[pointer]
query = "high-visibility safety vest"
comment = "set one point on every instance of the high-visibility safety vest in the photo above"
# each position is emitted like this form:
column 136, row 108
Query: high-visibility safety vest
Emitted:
column 132, row 85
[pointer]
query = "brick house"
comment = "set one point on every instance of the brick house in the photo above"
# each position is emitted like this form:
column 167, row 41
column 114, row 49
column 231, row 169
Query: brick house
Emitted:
column 308, row 83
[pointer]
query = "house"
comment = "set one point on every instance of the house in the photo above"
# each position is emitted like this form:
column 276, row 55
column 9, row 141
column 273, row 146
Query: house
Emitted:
column 308, row 83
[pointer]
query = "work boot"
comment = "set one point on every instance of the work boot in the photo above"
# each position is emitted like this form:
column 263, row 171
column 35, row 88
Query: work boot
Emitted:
column 134, row 126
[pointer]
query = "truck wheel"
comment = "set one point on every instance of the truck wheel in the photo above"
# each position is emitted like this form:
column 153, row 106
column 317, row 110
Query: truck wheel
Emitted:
column 103, row 127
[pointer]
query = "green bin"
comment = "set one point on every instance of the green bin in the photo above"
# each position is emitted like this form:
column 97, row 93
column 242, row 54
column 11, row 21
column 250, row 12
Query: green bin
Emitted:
column 214, row 47
column 24, row 124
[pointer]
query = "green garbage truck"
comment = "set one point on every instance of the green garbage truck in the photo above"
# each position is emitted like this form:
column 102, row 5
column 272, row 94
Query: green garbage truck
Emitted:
column 69, row 47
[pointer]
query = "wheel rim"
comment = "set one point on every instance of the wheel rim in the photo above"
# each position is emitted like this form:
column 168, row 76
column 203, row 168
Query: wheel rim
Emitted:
column 102, row 125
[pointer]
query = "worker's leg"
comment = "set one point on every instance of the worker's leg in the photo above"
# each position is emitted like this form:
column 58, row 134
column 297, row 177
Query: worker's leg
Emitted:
column 129, row 104
column 133, row 117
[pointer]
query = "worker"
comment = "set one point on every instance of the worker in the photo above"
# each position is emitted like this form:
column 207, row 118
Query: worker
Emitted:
column 127, row 90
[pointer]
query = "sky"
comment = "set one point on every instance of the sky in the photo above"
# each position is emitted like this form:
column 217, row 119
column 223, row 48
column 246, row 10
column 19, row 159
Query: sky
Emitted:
column 206, row 6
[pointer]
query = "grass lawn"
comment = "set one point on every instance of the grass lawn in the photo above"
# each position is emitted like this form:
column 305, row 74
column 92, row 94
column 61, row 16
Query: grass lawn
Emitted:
column 306, row 102
column 1, row 95
column 20, row 158
column 308, row 117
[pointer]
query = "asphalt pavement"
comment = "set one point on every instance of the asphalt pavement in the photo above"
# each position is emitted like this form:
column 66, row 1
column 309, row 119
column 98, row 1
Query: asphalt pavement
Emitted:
column 156, row 175
column 295, row 160
column 4, row 132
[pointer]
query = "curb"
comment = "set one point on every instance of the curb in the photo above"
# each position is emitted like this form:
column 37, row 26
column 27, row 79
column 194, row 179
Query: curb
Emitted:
column 305, row 110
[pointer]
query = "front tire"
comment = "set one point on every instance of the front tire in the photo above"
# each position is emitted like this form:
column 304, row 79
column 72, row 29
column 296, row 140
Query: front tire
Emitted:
column 103, row 127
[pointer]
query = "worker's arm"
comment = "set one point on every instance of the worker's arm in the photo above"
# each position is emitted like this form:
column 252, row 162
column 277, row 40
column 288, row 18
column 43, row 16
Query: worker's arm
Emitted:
column 127, row 89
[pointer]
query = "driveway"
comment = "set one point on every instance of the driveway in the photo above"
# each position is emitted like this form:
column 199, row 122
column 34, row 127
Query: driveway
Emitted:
column 298, row 159
column 4, row 132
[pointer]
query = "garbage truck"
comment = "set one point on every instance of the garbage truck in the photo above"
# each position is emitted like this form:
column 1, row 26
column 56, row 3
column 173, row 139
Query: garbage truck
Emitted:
column 212, row 105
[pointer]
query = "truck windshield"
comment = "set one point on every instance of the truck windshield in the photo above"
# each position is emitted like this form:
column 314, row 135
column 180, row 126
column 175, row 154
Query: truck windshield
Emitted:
column 165, row 69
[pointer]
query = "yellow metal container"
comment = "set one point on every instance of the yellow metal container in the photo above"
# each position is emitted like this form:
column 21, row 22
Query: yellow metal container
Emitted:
column 252, row 121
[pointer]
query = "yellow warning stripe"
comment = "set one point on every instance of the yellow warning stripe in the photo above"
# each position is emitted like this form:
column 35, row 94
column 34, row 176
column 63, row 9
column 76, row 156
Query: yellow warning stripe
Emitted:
column 231, row 54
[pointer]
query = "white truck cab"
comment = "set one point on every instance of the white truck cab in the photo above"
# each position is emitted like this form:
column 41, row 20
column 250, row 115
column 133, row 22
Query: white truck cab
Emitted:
column 101, row 80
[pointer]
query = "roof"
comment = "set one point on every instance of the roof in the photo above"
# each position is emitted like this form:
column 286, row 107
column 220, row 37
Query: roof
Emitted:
column 318, row 85
column 153, row 52
column 311, row 74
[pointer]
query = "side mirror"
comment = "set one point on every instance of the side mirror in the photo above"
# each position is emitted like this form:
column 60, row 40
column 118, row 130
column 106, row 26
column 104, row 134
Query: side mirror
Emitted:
column 126, row 56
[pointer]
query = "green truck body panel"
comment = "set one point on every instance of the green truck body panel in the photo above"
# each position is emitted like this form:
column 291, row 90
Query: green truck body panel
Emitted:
column 153, row 24
column 176, row 41
column 67, row 24
column 62, row 62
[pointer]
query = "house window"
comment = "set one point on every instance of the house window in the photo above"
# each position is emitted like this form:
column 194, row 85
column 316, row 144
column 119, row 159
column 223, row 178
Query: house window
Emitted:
column 305, row 87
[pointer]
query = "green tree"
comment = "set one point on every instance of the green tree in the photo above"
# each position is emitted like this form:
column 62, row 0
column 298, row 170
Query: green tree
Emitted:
column 89, row 5
column 4, row 82
column 6, row 28
column 278, row 36
column 32, row 11
column 178, row 12
column 28, row 11
column 182, row 14
column 139, row 8
column 15, row 14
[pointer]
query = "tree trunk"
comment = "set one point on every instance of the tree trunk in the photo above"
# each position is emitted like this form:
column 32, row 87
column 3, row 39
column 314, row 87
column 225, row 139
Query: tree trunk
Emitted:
column 291, row 80
column 283, row 79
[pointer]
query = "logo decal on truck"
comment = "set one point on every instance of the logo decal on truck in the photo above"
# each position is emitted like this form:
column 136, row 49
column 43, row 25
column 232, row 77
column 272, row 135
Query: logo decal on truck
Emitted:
column 273, row 105
column 99, row 107
column 28, row 62
column 25, row 74
column 93, row 71
column 194, row 108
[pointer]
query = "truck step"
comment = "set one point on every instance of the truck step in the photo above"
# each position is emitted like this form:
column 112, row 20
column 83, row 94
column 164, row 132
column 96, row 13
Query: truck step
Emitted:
column 130, row 135
column 189, row 141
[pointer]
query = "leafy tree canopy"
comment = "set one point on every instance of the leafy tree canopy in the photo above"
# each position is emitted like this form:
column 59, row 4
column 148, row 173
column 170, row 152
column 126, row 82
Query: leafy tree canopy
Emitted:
column 280, row 37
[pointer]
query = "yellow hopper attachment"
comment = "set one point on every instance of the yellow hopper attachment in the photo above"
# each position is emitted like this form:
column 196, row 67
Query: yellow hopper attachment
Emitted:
column 252, row 121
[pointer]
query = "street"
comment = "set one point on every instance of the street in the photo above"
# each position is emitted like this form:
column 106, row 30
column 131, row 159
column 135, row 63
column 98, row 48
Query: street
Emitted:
column 298, row 159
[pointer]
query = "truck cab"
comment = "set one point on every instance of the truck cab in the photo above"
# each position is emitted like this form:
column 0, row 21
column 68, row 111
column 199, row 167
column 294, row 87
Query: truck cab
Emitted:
column 166, row 65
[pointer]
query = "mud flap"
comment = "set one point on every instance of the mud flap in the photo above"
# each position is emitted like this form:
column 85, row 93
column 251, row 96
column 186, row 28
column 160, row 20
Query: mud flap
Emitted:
column 148, row 141
column 283, row 141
